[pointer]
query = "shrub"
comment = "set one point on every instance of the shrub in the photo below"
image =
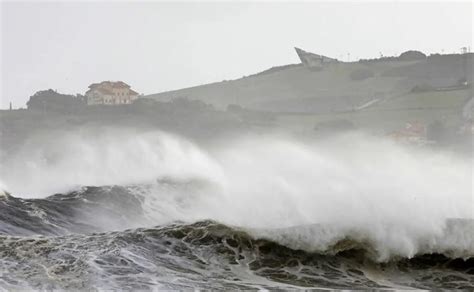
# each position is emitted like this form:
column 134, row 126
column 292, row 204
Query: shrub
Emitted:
column 361, row 74
column 412, row 56
column 50, row 100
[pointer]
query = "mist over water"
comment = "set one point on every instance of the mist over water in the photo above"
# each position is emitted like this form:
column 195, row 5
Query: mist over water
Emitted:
column 64, row 161
column 304, row 194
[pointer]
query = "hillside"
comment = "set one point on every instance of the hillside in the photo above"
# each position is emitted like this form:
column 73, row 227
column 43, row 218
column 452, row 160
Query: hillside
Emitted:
column 338, row 87
column 192, row 119
column 390, row 115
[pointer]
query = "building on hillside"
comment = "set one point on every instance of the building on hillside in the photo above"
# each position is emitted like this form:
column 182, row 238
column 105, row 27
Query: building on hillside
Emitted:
column 414, row 132
column 313, row 60
column 110, row 93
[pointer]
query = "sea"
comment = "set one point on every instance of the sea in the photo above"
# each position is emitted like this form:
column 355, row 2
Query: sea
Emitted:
column 160, row 212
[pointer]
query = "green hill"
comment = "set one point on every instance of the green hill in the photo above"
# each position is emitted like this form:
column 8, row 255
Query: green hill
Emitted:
column 337, row 87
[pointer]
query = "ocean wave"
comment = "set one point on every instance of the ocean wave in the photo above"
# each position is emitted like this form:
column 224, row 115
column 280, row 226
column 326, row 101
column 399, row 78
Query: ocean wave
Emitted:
column 101, row 209
column 355, row 206
column 208, row 255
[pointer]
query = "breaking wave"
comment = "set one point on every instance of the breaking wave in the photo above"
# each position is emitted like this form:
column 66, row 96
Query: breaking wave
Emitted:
column 65, row 242
column 395, row 198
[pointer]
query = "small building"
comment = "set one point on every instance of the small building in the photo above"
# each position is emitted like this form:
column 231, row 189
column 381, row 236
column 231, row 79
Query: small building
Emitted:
column 414, row 132
column 110, row 93
column 312, row 60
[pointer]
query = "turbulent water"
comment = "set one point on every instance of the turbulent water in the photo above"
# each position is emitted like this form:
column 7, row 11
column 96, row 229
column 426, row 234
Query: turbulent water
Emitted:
column 161, row 212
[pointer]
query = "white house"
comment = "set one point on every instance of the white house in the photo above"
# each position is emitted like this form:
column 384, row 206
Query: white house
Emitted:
column 110, row 93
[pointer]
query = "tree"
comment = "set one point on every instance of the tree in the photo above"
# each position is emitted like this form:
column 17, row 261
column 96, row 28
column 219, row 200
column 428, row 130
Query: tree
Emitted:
column 412, row 56
column 50, row 100
column 436, row 131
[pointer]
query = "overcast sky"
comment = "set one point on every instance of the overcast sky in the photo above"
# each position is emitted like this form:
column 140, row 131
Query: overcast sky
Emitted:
column 157, row 47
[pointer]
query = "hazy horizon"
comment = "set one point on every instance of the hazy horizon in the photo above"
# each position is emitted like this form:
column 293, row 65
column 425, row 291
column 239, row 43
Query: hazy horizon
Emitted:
column 162, row 46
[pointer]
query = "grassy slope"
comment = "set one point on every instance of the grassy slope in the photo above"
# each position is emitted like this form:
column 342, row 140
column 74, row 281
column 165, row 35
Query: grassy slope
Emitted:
column 393, row 114
column 427, row 100
column 293, row 88
column 302, row 98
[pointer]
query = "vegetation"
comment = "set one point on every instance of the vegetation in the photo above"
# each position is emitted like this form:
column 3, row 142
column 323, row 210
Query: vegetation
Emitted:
column 361, row 74
column 412, row 56
column 436, row 131
column 50, row 100
column 426, row 100
column 275, row 69
column 405, row 56
column 193, row 119
column 332, row 126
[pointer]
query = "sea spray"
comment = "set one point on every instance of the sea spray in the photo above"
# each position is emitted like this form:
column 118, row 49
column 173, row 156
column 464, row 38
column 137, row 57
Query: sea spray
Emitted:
column 65, row 161
column 395, row 198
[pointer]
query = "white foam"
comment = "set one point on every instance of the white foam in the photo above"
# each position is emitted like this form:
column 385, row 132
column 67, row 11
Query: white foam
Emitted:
column 396, row 197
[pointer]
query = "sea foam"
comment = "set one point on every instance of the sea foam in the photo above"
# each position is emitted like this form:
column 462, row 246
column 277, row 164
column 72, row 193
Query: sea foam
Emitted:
column 396, row 198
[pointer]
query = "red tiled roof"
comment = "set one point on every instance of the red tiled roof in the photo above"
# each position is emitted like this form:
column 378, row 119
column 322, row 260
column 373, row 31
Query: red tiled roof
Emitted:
column 106, row 88
column 109, row 92
column 120, row 84
column 101, row 90
column 115, row 84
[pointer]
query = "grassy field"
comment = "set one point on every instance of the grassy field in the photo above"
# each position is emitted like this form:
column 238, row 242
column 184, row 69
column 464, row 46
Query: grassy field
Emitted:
column 292, row 86
column 426, row 100
column 372, row 121
column 391, row 115
column 337, row 87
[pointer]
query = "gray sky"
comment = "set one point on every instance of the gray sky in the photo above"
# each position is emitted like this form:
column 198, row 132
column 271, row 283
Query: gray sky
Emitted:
column 162, row 46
